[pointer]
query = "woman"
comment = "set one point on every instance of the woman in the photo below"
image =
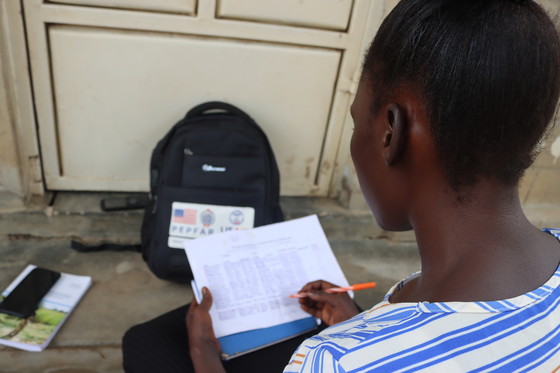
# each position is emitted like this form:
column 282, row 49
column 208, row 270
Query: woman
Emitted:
column 454, row 98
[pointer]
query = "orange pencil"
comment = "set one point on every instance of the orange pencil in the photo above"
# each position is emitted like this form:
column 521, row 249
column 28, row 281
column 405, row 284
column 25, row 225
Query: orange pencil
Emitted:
column 365, row 285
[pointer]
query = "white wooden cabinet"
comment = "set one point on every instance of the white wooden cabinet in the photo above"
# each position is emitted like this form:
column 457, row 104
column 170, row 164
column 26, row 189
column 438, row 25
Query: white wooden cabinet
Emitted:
column 111, row 76
column 327, row 14
column 171, row 6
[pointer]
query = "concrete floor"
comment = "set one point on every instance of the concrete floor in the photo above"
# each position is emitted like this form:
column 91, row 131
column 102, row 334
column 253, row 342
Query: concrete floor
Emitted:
column 124, row 292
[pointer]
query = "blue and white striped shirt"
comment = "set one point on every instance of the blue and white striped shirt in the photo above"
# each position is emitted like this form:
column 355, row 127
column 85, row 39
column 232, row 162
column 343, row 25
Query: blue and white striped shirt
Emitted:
column 517, row 334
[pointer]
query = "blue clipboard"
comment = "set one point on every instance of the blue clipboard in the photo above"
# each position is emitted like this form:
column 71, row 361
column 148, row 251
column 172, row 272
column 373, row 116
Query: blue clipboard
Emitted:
column 241, row 343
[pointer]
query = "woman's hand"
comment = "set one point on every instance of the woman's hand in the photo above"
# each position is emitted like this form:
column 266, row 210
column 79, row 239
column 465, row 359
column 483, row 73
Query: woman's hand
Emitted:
column 204, row 348
column 331, row 308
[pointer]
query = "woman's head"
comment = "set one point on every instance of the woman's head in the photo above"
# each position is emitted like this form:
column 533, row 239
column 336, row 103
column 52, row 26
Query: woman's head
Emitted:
column 488, row 73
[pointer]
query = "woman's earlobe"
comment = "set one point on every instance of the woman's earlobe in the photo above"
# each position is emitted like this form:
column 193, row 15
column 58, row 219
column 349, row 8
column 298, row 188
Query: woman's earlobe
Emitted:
column 394, row 134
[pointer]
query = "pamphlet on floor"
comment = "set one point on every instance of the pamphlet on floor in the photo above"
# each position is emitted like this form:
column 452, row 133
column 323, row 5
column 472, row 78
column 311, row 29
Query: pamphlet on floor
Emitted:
column 36, row 332
column 251, row 274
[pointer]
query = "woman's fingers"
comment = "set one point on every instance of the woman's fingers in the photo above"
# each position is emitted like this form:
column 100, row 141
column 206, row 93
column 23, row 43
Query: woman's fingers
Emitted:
column 316, row 286
column 331, row 308
column 206, row 299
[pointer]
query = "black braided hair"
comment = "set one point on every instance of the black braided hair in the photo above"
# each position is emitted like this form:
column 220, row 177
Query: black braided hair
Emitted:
column 488, row 72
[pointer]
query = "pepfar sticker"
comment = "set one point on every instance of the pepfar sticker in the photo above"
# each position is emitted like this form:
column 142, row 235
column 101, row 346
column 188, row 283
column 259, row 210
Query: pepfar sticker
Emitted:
column 193, row 220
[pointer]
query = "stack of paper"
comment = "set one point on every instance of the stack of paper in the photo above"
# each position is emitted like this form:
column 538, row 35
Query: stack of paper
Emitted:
column 251, row 274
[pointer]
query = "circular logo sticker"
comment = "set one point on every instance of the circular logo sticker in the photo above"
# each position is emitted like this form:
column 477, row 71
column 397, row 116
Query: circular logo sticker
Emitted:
column 207, row 217
column 236, row 217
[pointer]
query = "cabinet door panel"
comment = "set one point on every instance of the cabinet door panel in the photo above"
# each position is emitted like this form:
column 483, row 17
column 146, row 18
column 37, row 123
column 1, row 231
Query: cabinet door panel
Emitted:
column 117, row 93
column 174, row 6
column 328, row 14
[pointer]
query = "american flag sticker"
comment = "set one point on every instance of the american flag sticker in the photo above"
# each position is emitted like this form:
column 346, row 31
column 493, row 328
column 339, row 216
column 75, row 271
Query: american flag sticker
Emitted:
column 184, row 216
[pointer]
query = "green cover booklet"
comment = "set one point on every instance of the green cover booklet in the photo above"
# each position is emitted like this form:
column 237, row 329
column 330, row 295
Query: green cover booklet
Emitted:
column 35, row 332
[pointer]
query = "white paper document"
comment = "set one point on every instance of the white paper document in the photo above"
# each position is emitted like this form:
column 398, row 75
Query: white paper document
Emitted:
column 251, row 273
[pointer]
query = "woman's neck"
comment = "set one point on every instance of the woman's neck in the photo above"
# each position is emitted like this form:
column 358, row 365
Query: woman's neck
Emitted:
column 483, row 248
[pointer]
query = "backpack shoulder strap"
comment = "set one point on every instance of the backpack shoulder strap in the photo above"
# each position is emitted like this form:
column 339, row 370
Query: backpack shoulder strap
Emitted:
column 80, row 247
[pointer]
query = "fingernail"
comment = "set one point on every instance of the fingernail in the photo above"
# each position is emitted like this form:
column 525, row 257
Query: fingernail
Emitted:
column 205, row 290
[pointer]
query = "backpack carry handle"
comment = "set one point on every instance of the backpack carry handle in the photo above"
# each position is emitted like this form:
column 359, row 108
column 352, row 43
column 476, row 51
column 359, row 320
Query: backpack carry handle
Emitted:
column 215, row 105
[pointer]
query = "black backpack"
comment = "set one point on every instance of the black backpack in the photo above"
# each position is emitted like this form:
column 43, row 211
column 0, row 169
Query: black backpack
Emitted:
column 216, row 155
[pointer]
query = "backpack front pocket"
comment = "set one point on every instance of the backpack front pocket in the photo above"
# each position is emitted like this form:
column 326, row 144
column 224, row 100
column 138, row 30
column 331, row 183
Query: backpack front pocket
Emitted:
column 237, row 173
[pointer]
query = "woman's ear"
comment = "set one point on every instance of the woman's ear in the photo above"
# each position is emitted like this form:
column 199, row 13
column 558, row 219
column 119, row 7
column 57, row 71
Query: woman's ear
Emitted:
column 394, row 136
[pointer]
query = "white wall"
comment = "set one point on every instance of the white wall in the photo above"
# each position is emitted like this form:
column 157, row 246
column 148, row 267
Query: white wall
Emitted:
column 20, row 173
column 10, row 176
